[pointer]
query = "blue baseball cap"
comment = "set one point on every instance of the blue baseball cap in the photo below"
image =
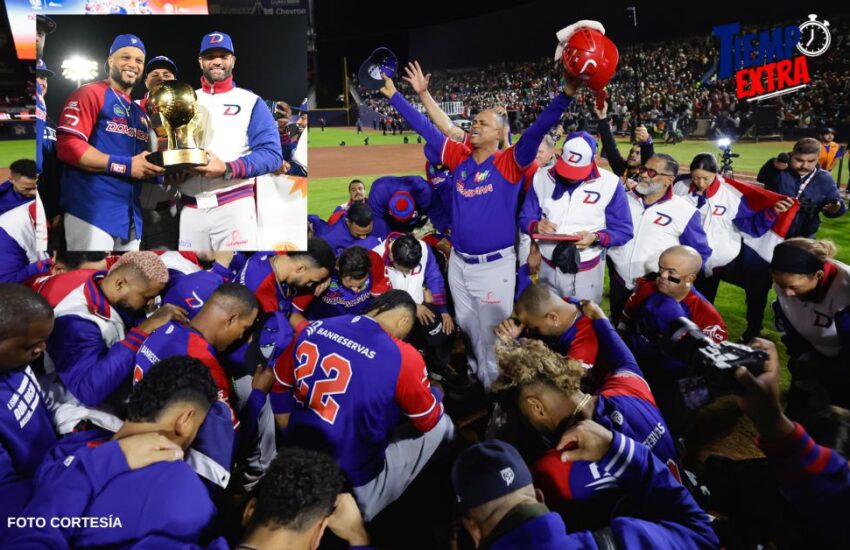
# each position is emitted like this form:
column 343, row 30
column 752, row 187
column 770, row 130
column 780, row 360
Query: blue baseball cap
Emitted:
column 125, row 41
column 215, row 40
column 270, row 338
column 401, row 206
column 44, row 23
column 159, row 62
column 379, row 63
column 487, row 471
column 42, row 70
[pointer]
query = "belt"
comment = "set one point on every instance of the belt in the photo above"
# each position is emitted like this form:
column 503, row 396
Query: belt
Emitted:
column 473, row 259
column 222, row 198
column 582, row 266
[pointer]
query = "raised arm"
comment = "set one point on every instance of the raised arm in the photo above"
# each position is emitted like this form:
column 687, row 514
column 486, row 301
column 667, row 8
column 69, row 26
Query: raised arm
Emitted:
column 419, row 81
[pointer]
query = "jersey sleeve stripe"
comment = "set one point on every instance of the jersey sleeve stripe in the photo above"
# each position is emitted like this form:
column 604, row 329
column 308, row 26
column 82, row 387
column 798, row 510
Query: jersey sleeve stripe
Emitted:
column 72, row 131
column 426, row 413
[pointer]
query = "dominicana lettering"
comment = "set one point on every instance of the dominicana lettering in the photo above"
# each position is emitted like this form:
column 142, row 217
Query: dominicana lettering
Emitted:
column 475, row 191
column 126, row 130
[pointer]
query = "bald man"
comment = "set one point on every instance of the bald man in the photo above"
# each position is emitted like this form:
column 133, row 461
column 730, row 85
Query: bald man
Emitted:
column 99, row 328
column 649, row 316
column 558, row 321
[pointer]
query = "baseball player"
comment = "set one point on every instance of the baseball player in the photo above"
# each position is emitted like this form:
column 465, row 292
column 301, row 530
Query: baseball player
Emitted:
column 356, row 193
column 624, row 403
column 223, row 320
column 482, row 271
column 70, row 270
column 21, row 187
column 159, row 200
column 26, row 429
column 241, row 138
column 358, row 226
column 359, row 276
column 660, row 220
column 410, row 265
column 99, row 328
column 558, row 321
column 102, row 139
column 648, row 318
column 98, row 473
column 400, row 202
column 47, row 166
column 575, row 197
column 23, row 240
column 353, row 380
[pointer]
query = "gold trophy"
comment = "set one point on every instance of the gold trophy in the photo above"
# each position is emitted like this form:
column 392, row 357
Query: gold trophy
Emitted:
column 175, row 118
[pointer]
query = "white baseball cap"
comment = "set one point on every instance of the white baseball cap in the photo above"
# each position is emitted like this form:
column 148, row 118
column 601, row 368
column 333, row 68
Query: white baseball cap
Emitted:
column 576, row 161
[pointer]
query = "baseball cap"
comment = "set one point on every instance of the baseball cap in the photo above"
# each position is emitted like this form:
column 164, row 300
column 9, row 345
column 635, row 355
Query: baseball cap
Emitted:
column 401, row 206
column 487, row 471
column 215, row 40
column 161, row 62
column 272, row 335
column 42, row 70
column 828, row 130
column 125, row 41
column 576, row 161
column 42, row 22
column 379, row 63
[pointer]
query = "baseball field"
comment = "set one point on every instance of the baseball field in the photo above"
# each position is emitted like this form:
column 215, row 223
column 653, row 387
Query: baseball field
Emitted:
column 10, row 151
column 332, row 166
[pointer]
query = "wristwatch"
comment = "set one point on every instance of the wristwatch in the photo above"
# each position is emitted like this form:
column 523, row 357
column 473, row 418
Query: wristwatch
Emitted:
column 595, row 240
column 228, row 172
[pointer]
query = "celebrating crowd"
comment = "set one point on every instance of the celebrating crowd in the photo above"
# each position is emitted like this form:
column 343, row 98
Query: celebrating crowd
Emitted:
column 268, row 399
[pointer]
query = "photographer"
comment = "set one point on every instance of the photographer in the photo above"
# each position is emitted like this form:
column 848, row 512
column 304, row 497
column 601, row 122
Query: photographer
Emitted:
column 805, row 181
column 545, row 388
column 726, row 218
column 813, row 312
column 649, row 316
column 814, row 479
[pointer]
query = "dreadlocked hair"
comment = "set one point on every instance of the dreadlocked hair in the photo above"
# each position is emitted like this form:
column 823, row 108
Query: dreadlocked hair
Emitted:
column 529, row 361
column 391, row 300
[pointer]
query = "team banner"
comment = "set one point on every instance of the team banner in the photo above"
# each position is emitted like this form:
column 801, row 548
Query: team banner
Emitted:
column 280, row 221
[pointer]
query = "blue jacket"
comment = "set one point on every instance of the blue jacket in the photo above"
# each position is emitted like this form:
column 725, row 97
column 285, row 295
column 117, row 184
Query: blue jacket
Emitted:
column 9, row 198
column 86, row 475
column 820, row 191
column 669, row 517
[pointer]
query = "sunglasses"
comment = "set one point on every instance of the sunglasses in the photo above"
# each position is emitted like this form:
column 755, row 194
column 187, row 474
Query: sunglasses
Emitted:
column 652, row 173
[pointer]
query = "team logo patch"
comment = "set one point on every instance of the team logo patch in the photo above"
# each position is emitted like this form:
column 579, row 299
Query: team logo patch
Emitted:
column 663, row 219
column 194, row 301
column 508, row 475
column 138, row 374
column 215, row 38
column 822, row 320
column 118, row 110
column 591, row 197
column 491, row 299
column 481, row 176
column 231, row 110
column 116, row 168
column 715, row 332
column 719, row 210
column 575, row 157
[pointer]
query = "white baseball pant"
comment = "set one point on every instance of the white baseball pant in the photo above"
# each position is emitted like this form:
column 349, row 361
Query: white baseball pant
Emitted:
column 483, row 295
column 584, row 285
column 231, row 226
column 263, row 449
column 80, row 235
column 404, row 459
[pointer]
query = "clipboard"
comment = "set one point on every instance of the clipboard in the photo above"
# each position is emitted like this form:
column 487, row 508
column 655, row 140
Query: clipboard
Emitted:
column 555, row 237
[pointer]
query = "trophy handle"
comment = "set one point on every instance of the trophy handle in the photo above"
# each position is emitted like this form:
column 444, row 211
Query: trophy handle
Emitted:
column 184, row 138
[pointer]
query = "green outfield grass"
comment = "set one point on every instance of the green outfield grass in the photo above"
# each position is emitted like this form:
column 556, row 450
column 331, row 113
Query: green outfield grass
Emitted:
column 10, row 151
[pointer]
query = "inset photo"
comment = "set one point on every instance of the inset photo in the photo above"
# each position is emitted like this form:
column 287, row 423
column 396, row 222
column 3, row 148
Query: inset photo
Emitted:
column 174, row 132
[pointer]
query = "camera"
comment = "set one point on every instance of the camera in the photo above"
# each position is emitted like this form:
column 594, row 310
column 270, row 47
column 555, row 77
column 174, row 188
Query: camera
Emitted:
column 710, row 365
column 725, row 145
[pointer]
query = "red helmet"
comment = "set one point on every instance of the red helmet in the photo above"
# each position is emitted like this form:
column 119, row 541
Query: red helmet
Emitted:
column 590, row 56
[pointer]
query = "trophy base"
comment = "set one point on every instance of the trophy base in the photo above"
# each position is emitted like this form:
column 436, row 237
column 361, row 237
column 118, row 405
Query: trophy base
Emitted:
column 174, row 160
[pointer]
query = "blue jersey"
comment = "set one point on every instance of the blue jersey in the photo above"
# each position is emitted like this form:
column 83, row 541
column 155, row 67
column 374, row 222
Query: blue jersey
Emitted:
column 26, row 434
column 353, row 382
column 40, row 124
column 485, row 195
column 382, row 189
column 272, row 294
column 625, row 404
column 667, row 517
column 86, row 475
column 97, row 115
column 340, row 238
column 340, row 300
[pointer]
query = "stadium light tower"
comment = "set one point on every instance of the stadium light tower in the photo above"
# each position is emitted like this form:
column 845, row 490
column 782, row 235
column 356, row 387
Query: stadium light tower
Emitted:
column 79, row 69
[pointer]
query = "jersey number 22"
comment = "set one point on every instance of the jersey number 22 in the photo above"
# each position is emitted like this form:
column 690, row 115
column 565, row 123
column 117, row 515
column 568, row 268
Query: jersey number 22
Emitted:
column 320, row 397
